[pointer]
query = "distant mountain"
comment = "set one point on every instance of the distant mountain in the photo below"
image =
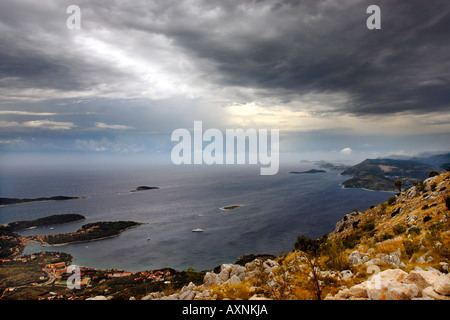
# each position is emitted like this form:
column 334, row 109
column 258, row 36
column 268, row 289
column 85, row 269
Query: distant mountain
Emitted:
column 380, row 174
column 439, row 160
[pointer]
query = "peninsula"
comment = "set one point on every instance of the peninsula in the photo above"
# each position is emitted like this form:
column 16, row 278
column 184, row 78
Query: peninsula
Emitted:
column 87, row 232
column 45, row 221
column 10, row 201
column 309, row 171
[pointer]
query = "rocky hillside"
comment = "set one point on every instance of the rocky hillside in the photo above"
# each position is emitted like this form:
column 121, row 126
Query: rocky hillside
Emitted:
column 397, row 250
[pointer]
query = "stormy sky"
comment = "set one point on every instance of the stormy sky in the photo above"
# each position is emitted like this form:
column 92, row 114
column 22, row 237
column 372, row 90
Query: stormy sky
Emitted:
column 137, row 70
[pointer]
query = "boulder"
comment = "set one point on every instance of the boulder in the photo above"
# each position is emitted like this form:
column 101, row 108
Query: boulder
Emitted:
column 429, row 276
column 342, row 294
column 372, row 262
column 359, row 290
column 97, row 298
column 152, row 296
column 187, row 295
column 402, row 291
column 354, row 258
column 393, row 258
column 234, row 280
column 174, row 296
column 257, row 297
column 211, row 279
column 239, row 271
column 225, row 271
column 416, row 278
column 269, row 266
column 346, row 222
column 346, row 274
column 378, row 285
column 442, row 284
column 430, row 293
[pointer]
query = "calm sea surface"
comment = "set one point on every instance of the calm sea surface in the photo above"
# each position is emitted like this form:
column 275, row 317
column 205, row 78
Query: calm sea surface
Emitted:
column 275, row 209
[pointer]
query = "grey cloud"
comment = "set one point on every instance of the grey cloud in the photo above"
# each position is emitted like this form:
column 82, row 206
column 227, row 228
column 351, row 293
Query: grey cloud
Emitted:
column 204, row 54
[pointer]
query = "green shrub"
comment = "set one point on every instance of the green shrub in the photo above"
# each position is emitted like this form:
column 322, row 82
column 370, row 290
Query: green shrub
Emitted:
column 334, row 253
column 399, row 229
column 433, row 173
column 352, row 240
column 392, row 200
column 383, row 237
column 434, row 233
column 308, row 245
column 414, row 231
column 420, row 186
column 368, row 226
column 411, row 246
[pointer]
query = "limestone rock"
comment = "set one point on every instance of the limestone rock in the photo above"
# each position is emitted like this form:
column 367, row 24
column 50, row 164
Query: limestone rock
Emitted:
column 346, row 223
column 257, row 297
column 346, row 274
column 379, row 286
column 234, row 280
column 402, row 291
column 416, row 278
column 430, row 293
column 354, row 258
column 211, row 279
column 152, row 296
column 429, row 276
column 442, row 285
column 372, row 262
column 359, row 290
column 393, row 258
column 97, row 298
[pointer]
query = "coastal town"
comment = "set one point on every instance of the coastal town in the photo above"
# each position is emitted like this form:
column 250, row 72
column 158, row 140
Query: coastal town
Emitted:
column 46, row 275
column 50, row 274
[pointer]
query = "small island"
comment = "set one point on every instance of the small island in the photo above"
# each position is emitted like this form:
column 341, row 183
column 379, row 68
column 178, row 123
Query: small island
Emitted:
column 45, row 221
column 87, row 232
column 10, row 201
column 309, row 171
column 142, row 188
column 232, row 207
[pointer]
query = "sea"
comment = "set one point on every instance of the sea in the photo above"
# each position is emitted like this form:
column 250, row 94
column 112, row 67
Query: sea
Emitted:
column 273, row 210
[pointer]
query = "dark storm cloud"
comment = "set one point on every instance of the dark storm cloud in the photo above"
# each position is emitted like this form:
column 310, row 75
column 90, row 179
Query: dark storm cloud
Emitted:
column 322, row 46
column 281, row 48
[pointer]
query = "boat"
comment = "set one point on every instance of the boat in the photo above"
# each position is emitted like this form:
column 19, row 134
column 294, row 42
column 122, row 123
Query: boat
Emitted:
column 198, row 230
column 148, row 237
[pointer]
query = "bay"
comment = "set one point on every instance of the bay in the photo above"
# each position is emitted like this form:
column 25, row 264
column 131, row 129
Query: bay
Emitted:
column 273, row 210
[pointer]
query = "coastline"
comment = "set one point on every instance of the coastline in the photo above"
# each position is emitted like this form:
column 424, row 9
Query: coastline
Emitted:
column 344, row 187
column 46, row 200
column 45, row 244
